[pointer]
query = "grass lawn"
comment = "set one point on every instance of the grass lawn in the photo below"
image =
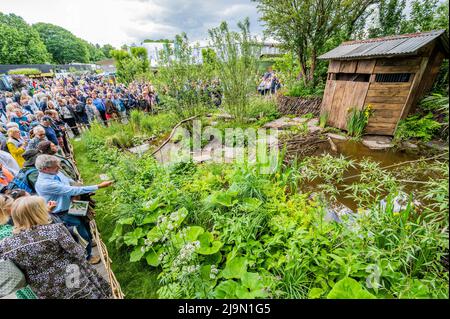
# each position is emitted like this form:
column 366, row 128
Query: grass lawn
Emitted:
column 136, row 279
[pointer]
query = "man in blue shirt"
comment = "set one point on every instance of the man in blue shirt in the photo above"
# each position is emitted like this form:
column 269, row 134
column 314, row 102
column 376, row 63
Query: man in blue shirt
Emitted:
column 53, row 185
column 46, row 122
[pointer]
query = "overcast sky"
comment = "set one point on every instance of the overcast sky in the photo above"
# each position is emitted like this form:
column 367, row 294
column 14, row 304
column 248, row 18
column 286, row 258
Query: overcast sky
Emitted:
column 127, row 21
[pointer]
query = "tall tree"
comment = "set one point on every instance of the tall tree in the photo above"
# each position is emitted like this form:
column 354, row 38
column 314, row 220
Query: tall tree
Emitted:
column 305, row 26
column 62, row 44
column 389, row 18
column 19, row 43
column 427, row 15
column 107, row 48
column 131, row 66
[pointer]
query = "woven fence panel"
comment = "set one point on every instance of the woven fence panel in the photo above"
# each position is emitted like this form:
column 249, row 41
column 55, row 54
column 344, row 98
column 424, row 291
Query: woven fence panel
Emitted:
column 298, row 105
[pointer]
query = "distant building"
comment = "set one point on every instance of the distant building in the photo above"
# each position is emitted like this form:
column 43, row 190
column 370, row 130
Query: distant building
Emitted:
column 107, row 65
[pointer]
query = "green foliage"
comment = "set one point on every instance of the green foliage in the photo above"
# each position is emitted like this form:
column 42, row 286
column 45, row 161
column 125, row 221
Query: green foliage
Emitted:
column 20, row 43
column 229, row 231
column 263, row 108
column 389, row 19
column 237, row 53
column 357, row 121
column 305, row 27
column 349, row 288
column 106, row 49
column 438, row 104
column 323, row 119
column 423, row 15
column 25, row 71
column 417, row 126
column 299, row 89
column 62, row 44
column 132, row 66
column 180, row 78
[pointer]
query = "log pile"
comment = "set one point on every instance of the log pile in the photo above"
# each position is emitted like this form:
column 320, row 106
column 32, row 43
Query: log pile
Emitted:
column 300, row 145
column 298, row 105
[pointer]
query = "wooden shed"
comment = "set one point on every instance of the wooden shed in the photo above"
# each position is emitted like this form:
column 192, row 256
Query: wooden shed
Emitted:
column 390, row 73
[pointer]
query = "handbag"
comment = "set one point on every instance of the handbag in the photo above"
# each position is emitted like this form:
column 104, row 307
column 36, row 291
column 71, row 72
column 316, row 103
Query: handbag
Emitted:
column 11, row 278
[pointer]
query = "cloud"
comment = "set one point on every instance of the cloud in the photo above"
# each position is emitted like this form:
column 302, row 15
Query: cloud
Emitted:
column 194, row 17
column 132, row 21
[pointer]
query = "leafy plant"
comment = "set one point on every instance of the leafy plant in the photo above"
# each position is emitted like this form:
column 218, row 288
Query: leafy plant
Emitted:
column 237, row 54
column 357, row 121
column 416, row 126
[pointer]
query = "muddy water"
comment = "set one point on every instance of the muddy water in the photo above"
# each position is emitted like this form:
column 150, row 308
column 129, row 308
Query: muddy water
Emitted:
column 357, row 152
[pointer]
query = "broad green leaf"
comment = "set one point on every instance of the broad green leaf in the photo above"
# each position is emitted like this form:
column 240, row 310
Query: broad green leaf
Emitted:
column 155, row 234
column 226, row 289
column 235, row 268
column 252, row 281
column 415, row 290
column 223, row 198
column 213, row 259
column 213, row 248
column 190, row 234
column 349, row 288
column 152, row 205
column 150, row 219
column 208, row 245
column 137, row 254
column 251, row 204
column 315, row 293
column 132, row 238
column 116, row 233
column 152, row 257
column 126, row 221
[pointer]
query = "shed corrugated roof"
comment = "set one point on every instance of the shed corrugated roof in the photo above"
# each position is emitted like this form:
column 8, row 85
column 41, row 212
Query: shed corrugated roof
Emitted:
column 405, row 44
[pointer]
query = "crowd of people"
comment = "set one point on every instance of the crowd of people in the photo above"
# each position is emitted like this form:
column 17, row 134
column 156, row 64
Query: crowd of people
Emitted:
column 39, row 182
column 270, row 83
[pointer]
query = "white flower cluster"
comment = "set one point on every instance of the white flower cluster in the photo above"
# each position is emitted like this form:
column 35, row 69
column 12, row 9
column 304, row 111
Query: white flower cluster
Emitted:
column 214, row 272
column 162, row 256
column 184, row 232
column 187, row 270
column 186, row 253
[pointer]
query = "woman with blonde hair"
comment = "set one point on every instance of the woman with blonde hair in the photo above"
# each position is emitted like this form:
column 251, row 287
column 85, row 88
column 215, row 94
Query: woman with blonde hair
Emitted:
column 6, row 230
column 16, row 145
column 54, row 265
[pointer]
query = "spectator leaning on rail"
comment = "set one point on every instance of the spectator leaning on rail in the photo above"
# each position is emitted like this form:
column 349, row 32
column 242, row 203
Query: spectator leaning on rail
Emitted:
column 53, row 185
column 53, row 263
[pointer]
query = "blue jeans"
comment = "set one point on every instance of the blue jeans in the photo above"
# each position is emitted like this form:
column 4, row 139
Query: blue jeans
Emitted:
column 82, row 226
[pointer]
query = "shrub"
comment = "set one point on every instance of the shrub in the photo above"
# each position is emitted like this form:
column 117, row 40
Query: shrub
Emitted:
column 415, row 126
column 25, row 71
column 261, row 107
column 299, row 89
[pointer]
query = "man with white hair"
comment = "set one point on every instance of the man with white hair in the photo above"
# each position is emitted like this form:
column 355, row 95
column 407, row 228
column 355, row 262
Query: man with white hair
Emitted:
column 53, row 185
column 39, row 136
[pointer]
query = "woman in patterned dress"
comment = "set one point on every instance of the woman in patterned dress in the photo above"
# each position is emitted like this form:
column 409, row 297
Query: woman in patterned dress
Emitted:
column 53, row 263
column 6, row 231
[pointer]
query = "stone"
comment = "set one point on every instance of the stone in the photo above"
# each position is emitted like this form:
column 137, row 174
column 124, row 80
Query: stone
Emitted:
column 337, row 137
column 140, row 149
column 299, row 120
column 437, row 146
column 202, row 158
column 313, row 122
column 408, row 144
column 377, row 142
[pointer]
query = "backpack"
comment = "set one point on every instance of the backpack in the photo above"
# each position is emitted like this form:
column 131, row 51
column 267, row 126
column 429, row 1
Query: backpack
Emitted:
column 20, row 181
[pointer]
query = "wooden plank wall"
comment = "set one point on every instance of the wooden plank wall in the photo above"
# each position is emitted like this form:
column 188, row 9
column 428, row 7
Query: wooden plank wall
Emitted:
column 390, row 101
